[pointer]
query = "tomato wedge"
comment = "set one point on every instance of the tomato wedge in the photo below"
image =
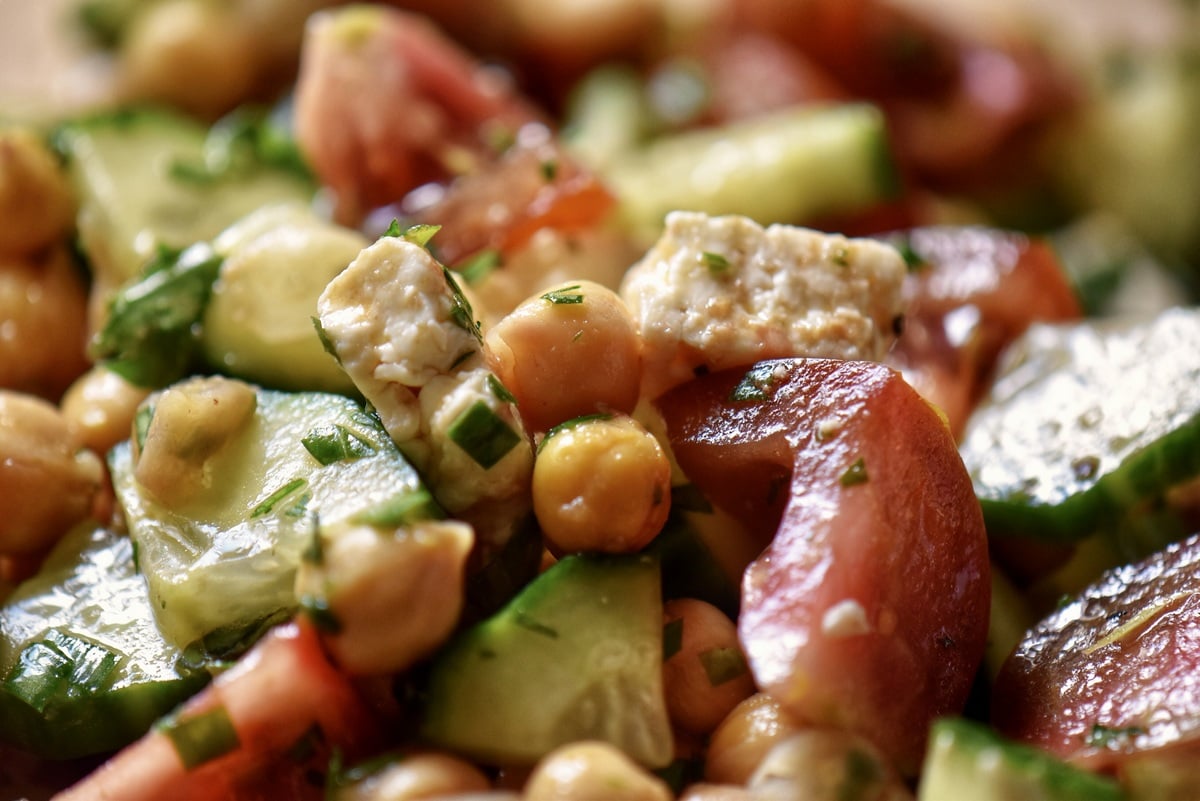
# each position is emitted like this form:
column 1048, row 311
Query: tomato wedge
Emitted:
column 264, row 729
column 869, row 609
column 1111, row 677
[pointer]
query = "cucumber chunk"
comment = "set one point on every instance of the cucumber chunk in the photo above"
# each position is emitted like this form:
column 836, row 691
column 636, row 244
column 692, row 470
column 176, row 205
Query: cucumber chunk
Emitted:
column 968, row 760
column 83, row 668
column 577, row 655
column 139, row 189
column 789, row 167
column 1086, row 423
column 227, row 556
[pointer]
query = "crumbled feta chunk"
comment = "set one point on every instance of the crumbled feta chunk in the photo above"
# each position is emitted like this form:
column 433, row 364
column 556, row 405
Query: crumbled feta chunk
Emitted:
column 719, row 292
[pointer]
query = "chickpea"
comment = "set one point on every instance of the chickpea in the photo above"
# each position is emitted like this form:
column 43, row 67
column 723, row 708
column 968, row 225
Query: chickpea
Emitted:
column 36, row 202
column 47, row 482
column 707, row 676
column 601, row 484
column 43, row 335
column 593, row 771
column 394, row 596
column 738, row 745
column 819, row 764
column 99, row 408
column 192, row 421
column 571, row 351
column 417, row 776
column 189, row 53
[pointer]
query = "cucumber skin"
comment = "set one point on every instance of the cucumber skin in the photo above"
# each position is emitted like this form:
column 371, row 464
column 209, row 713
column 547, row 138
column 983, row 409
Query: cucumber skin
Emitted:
column 568, row 659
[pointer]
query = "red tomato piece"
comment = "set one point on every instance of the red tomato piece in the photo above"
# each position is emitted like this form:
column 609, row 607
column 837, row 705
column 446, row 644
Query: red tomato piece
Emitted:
column 385, row 103
column 289, row 708
column 1111, row 677
column 973, row 291
column 869, row 609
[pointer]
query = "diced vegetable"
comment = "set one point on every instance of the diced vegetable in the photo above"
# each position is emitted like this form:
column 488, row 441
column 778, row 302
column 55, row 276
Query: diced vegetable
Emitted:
column 227, row 556
column 83, row 668
column 576, row 655
column 1085, row 423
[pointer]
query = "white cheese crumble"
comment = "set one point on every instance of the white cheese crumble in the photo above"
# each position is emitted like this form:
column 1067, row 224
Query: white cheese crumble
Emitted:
column 718, row 292
column 846, row 618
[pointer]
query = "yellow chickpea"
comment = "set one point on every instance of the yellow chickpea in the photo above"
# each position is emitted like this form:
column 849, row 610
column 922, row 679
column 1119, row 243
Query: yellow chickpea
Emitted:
column 189, row 53
column 417, row 776
column 47, row 482
column 36, row 202
column 43, row 334
column 99, row 408
column 819, row 764
column 570, row 351
column 742, row 740
column 601, row 484
column 706, row 676
column 593, row 771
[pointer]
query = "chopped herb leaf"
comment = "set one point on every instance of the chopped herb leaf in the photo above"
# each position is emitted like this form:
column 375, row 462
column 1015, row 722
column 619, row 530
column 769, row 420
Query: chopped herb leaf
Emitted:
column 461, row 312
column 1101, row 736
column 462, row 358
column 715, row 262
column 151, row 335
column 320, row 613
column 241, row 143
column 483, row 434
column 549, row 169
column 402, row 510
column 499, row 390
column 314, row 554
column 332, row 442
column 574, row 422
column 201, row 737
column 672, row 638
column 326, row 342
column 756, row 385
column 526, row 622
column 272, row 500
column 565, row 296
column 855, row 474
column 476, row 268
column 141, row 424
column 840, row 256
column 722, row 665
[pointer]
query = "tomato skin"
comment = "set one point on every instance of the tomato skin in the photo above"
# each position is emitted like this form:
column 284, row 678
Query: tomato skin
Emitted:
column 1112, row 676
column 869, row 609
column 974, row 291
column 276, row 696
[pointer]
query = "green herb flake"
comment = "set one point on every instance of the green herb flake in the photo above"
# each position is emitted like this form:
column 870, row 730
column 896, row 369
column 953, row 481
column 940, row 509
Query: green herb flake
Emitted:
column 483, row 434
column 758, row 384
column 402, row 510
column 326, row 342
column 840, row 255
column 549, row 170
column 332, row 443
column 141, row 424
column 479, row 266
column 321, row 614
column 565, row 296
column 672, row 638
column 271, row 501
column 461, row 312
column 201, row 737
column 574, row 422
column 537, row 627
column 715, row 262
column 1111, row 737
column 722, row 665
column 499, row 390
column 855, row 474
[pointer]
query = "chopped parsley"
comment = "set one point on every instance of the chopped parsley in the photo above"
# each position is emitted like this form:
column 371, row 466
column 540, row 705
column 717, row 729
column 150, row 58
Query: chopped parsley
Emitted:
column 499, row 390
column 566, row 296
column 286, row 491
column 715, row 262
column 855, row 474
column 402, row 510
column 479, row 266
column 461, row 312
column 418, row 234
column 331, row 443
column 574, row 422
column 757, row 384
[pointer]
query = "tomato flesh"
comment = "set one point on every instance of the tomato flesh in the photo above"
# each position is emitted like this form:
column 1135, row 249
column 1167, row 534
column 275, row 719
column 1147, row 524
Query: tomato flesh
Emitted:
column 869, row 609
column 1112, row 675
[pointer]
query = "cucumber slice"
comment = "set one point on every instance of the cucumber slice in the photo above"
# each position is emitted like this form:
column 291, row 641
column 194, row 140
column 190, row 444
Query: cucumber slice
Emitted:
column 228, row 556
column 969, row 760
column 788, row 167
column 83, row 669
column 576, row 656
column 1085, row 423
column 133, row 171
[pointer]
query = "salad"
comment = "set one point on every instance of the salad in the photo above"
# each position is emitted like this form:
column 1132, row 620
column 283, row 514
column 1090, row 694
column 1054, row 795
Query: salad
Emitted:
column 736, row 399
